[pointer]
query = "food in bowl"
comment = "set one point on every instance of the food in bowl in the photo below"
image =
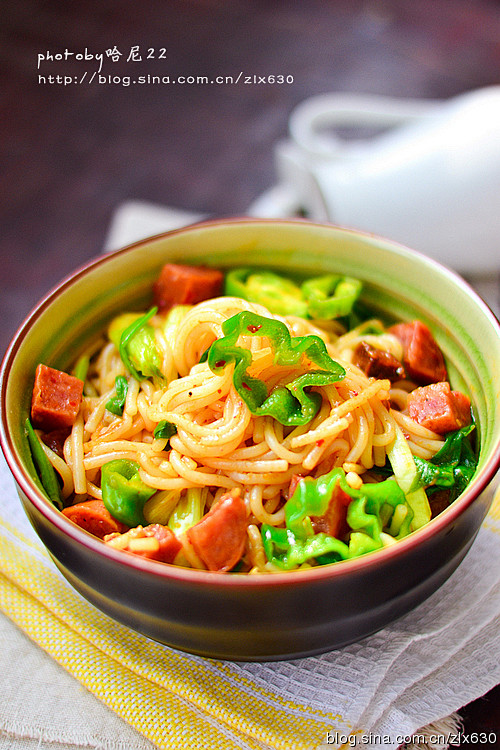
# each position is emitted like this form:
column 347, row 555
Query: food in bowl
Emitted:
column 249, row 422
column 288, row 613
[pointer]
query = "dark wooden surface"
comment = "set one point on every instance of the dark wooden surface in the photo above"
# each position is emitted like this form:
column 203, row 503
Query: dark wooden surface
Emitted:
column 73, row 153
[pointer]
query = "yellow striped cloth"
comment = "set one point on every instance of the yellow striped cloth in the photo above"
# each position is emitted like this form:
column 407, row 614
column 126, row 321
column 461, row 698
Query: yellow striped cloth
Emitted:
column 145, row 682
column 177, row 700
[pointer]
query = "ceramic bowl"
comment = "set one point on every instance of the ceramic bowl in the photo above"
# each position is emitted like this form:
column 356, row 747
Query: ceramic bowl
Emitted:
column 282, row 615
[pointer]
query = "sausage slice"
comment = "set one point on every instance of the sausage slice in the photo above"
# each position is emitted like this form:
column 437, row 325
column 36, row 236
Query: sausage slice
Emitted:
column 94, row 517
column 219, row 538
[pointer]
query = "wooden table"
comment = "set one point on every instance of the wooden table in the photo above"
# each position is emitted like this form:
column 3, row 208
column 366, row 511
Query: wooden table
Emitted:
column 78, row 139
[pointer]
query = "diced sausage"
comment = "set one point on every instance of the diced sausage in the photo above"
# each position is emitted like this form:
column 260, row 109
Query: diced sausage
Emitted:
column 462, row 407
column 334, row 522
column 56, row 398
column 155, row 542
column 438, row 408
column 186, row 285
column 422, row 357
column 94, row 517
column 219, row 538
column 377, row 363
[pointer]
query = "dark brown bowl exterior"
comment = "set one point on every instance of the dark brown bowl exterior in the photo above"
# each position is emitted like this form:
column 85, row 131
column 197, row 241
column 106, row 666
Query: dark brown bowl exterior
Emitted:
column 283, row 615
column 263, row 618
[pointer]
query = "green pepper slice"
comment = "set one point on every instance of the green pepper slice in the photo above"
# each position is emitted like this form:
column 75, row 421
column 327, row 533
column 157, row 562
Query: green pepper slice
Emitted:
column 373, row 508
column 165, row 429
column 287, row 552
column 116, row 403
column 290, row 404
column 123, row 492
column 331, row 296
column 45, row 472
column 278, row 294
column 311, row 498
column 325, row 297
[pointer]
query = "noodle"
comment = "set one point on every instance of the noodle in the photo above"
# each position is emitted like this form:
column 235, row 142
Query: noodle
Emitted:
column 216, row 443
column 77, row 449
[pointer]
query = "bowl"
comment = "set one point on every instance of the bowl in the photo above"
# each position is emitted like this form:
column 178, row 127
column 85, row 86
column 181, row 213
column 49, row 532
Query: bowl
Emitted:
column 289, row 614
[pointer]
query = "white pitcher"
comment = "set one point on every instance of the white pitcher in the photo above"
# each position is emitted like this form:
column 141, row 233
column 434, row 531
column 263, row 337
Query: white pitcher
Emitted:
column 430, row 179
